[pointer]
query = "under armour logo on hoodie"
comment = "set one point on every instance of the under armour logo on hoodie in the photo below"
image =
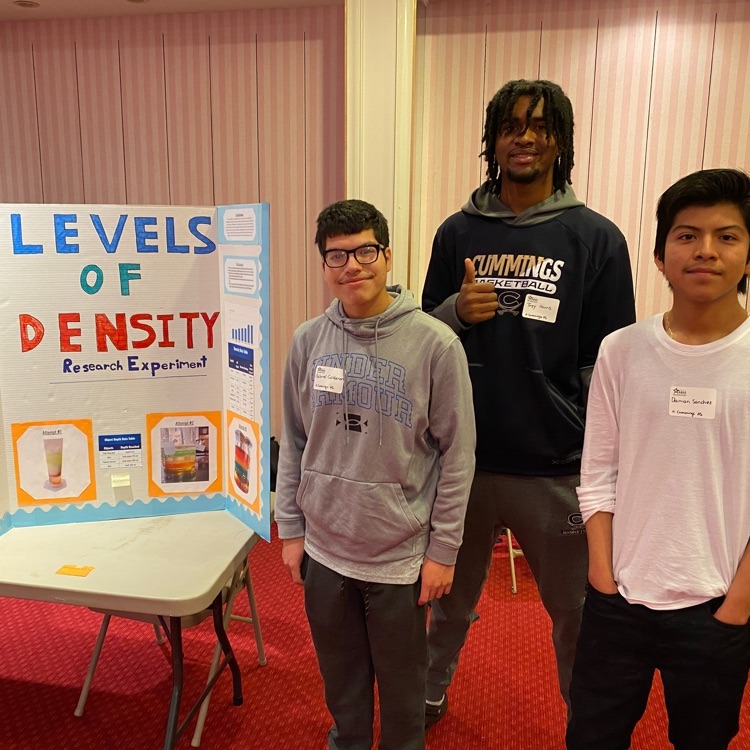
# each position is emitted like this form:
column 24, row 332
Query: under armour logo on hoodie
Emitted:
column 354, row 423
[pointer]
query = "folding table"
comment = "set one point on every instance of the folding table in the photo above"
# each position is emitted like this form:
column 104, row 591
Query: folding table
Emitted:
column 170, row 566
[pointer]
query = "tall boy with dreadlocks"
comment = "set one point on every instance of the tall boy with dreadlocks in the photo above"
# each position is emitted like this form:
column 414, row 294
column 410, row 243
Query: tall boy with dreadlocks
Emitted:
column 532, row 281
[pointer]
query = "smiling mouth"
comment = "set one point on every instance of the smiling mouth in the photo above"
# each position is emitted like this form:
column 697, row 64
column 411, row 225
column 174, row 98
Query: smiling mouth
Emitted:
column 704, row 271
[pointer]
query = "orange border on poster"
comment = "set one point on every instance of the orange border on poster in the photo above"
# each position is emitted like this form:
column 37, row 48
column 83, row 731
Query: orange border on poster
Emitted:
column 255, row 504
column 214, row 417
column 89, row 494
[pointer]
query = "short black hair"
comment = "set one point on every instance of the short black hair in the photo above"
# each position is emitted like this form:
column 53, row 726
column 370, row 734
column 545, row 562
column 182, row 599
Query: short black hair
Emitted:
column 558, row 117
column 350, row 217
column 707, row 187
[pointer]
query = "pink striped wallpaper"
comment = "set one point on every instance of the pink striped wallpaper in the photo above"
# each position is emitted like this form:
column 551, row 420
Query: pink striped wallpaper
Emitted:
column 202, row 108
column 21, row 173
column 659, row 89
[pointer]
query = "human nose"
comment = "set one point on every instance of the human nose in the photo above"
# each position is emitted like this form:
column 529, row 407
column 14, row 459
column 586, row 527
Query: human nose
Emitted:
column 524, row 135
column 352, row 258
column 706, row 248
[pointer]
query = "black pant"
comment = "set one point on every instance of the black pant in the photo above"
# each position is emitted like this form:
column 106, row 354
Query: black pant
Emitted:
column 363, row 631
column 703, row 664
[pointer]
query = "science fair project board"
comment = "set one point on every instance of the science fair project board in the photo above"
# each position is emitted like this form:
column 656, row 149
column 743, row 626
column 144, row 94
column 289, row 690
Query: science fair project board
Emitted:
column 134, row 373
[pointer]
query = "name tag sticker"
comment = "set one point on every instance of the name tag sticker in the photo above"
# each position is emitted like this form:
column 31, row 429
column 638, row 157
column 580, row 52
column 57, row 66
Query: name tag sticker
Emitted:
column 695, row 403
column 540, row 308
column 330, row 379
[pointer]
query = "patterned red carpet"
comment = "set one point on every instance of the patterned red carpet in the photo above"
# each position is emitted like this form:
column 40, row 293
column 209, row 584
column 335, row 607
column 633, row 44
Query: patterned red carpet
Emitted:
column 504, row 695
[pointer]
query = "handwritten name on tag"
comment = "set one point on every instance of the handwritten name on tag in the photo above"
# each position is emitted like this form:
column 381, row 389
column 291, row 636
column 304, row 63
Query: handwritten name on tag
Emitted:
column 330, row 379
column 695, row 403
column 540, row 308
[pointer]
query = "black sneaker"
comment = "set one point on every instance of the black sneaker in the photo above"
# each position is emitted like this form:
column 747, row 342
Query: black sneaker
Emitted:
column 433, row 713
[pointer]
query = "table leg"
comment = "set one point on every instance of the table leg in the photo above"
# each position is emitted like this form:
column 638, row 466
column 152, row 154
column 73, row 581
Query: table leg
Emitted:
column 254, row 615
column 226, row 647
column 175, row 636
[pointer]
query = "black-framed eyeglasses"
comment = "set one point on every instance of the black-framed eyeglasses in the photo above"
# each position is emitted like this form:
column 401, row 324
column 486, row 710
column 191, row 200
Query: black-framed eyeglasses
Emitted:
column 364, row 255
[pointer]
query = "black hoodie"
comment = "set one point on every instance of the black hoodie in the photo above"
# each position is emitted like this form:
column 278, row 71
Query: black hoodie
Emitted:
column 563, row 277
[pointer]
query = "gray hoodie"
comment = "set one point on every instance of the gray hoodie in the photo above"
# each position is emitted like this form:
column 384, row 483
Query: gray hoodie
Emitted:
column 379, row 479
column 484, row 202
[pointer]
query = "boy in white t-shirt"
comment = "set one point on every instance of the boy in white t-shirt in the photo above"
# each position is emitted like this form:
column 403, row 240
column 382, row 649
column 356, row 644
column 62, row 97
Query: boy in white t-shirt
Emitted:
column 665, row 489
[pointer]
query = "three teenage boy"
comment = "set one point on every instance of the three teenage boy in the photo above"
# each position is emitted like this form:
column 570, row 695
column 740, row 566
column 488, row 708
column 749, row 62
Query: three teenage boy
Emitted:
column 376, row 461
column 665, row 489
column 528, row 137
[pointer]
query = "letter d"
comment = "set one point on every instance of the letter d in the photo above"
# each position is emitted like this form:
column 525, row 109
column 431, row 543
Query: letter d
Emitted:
column 30, row 339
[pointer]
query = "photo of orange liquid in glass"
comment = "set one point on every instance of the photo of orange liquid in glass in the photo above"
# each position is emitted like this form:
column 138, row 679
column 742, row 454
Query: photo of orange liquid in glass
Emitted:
column 178, row 463
column 53, row 454
column 241, row 460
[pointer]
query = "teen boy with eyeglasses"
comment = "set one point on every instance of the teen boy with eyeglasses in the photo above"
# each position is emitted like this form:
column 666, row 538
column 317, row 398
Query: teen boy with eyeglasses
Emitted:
column 376, row 461
column 665, row 489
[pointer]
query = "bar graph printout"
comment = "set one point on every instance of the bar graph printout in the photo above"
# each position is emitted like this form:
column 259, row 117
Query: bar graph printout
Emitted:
column 241, row 368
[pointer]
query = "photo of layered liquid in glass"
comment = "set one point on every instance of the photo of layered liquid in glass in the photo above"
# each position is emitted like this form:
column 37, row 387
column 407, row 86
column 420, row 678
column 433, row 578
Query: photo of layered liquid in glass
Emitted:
column 184, row 454
column 53, row 456
column 242, row 449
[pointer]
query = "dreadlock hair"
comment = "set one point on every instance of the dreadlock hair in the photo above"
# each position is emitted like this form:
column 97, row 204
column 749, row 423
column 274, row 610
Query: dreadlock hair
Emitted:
column 558, row 118
column 350, row 217
column 707, row 187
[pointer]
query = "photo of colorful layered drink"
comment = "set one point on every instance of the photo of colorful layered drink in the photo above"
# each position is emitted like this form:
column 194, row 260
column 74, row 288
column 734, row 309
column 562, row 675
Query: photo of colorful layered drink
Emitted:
column 179, row 463
column 179, row 447
column 242, row 449
column 53, row 455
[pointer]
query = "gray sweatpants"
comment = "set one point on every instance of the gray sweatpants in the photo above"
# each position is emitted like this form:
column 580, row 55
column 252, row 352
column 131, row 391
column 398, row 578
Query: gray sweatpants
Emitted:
column 362, row 632
column 543, row 514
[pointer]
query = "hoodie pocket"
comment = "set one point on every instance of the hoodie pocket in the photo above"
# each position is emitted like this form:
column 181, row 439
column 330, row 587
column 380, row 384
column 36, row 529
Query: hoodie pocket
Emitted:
column 359, row 520
column 565, row 407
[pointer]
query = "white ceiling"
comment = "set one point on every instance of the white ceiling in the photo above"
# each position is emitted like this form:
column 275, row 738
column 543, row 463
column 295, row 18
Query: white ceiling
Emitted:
column 99, row 8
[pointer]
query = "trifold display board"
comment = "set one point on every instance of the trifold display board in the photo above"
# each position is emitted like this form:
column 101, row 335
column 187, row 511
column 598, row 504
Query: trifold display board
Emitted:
column 134, row 368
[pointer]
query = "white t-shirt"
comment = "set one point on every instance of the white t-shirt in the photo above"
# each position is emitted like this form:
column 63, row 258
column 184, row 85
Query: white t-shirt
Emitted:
column 667, row 450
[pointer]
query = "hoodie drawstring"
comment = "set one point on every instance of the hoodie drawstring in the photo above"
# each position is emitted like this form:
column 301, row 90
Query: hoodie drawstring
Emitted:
column 344, row 343
column 377, row 380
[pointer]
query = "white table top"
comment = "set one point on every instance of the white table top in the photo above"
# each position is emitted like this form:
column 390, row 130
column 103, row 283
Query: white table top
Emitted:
column 164, row 565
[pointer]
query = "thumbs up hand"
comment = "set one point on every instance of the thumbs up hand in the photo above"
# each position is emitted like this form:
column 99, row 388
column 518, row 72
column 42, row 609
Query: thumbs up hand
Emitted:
column 476, row 302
